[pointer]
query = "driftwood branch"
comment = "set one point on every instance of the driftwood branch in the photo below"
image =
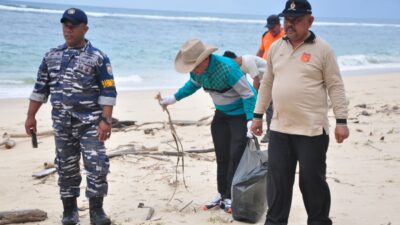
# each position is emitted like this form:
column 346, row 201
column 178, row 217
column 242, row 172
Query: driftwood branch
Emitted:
column 150, row 213
column 44, row 173
column 179, row 148
column 41, row 134
column 133, row 151
column 22, row 216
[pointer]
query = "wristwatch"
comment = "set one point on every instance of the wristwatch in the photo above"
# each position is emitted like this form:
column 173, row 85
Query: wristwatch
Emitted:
column 107, row 120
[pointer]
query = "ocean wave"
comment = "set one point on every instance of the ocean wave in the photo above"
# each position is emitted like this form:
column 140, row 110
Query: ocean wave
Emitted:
column 25, row 8
column 128, row 80
column 356, row 62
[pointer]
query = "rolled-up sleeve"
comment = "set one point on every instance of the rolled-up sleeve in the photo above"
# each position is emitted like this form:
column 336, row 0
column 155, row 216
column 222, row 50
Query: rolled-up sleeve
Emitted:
column 108, row 92
column 41, row 90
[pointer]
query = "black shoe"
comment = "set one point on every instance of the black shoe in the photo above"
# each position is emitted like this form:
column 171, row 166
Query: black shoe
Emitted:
column 70, row 214
column 97, row 214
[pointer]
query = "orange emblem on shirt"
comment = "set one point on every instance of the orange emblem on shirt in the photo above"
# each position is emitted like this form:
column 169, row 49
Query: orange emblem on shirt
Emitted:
column 306, row 57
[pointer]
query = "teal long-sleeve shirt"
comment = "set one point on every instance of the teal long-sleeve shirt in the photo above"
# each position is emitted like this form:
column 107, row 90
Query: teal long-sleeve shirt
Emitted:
column 227, row 85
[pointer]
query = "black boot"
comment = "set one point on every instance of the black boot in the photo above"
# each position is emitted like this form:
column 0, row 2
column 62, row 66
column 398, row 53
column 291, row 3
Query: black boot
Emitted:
column 70, row 214
column 97, row 214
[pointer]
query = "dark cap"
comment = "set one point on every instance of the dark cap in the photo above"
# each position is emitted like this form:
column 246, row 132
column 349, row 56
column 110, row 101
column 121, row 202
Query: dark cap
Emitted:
column 272, row 20
column 296, row 8
column 75, row 16
column 230, row 54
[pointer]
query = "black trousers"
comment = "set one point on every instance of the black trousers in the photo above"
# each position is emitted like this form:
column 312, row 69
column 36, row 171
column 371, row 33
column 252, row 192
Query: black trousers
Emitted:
column 229, row 137
column 284, row 151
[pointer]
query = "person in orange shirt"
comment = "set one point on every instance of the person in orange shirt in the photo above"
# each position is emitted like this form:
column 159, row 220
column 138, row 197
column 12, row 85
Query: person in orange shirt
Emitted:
column 274, row 32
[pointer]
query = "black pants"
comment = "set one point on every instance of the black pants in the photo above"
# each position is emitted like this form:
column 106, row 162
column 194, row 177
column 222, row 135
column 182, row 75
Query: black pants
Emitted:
column 284, row 151
column 229, row 137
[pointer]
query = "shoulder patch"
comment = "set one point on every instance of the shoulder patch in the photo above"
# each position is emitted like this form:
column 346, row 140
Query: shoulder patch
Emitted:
column 108, row 83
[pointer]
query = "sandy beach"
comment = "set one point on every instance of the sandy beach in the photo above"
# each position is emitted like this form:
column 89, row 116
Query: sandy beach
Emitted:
column 363, row 173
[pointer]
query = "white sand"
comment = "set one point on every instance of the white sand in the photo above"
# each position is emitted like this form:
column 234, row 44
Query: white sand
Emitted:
column 363, row 173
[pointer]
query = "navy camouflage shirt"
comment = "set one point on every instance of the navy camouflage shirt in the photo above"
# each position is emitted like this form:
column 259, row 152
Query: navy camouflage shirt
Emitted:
column 79, row 81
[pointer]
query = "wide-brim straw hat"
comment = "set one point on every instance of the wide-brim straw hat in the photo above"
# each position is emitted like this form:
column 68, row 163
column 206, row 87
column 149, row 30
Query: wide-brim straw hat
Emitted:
column 191, row 54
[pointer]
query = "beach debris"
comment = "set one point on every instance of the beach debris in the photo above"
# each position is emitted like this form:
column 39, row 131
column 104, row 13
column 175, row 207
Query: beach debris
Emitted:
column 48, row 165
column 369, row 143
column 149, row 131
column 382, row 138
column 391, row 131
column 49, row 168
column 179, row 147
column 150, row 213
column 220, row 219
column 363, row 106
column 152, row 151
column 365, row 113
column 184, row 207
column 44, row 173
column 41, row 134
column 22, row 216
column 7, row 142
column 122, row 124
column 339, row 182
column 359, row 130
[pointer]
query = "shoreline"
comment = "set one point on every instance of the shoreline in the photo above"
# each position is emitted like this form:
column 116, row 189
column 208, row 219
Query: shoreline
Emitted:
column 348, row 73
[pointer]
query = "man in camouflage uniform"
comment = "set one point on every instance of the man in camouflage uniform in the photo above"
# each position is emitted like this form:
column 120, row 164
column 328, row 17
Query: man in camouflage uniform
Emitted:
column 79, row 79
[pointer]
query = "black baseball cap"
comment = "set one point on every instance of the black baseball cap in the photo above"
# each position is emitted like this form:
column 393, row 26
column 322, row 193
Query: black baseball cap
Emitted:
column 272, row 20
column 295, row 8
column 75, row 16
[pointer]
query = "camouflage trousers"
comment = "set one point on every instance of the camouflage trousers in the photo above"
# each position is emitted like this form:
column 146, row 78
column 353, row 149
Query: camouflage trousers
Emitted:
column 75, row 139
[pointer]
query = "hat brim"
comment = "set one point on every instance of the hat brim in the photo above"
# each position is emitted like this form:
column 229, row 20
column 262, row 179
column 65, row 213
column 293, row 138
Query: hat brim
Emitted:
column 72, row 20
column 183, row 67
column 291, row 14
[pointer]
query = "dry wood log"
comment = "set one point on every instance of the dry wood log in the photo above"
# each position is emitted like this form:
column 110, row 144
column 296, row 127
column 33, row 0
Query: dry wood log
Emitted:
column 133, row 151
column 22, row 216
column 200, row 150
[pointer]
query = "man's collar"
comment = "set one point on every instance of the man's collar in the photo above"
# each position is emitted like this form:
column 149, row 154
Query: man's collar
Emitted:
column 82, row 49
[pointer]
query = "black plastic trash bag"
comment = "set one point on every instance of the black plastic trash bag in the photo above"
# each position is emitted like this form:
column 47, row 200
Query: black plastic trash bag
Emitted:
column 249, row 184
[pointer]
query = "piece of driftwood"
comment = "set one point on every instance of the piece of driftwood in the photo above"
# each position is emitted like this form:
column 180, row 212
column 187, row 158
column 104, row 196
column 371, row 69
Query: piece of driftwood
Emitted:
column 179, row 147
column 184, row 207
column 41, row 134
column 44, row 173
column 122, row 124
column 150, row 213
column 150, row 151
column 200, row 150
column 22, row 216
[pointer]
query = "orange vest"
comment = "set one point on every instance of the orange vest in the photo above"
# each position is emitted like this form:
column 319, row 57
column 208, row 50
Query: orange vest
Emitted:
column 267, row 40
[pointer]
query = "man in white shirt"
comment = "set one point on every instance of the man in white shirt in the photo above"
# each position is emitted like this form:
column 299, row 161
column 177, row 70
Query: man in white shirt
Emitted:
column 250, row 64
